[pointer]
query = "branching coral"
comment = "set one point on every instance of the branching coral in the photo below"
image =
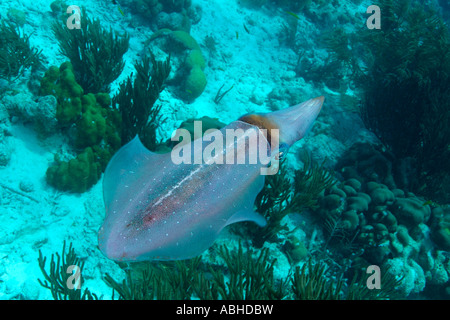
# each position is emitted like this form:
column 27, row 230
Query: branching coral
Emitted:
column 66, row 271
column 164, row 281
column 250, row 276
column 136, row 98
column 357, row 289
column 96, row 54
column 241, row 275
column 16, row 53
column 280, row 196
column 309, row 283
column 313, row 281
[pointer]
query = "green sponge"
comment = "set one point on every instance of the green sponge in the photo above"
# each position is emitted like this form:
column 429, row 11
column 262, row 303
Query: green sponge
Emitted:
column 185, row 39
column 97, row 127
column 76, row 175
column 62, row 84
column 195, row 58
column 195, row 83
column 91, row 126
column 182, row 41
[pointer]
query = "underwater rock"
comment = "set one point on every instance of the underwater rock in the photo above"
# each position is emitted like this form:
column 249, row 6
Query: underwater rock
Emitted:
column 26, row 185
column 42, row 113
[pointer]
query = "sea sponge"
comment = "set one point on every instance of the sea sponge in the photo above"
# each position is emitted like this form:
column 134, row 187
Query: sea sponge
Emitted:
column 295, row 249
column 17, row 16
column 60, row 82
column 207, row 123
column 91, row 127
column 195, row 83
column 75, row 175
column 58, row 7
column 96, row 125
column 195, row 58
column 185, row 39
column 191, row 75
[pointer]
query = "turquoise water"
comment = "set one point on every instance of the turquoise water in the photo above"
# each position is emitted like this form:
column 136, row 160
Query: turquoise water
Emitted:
column 359, row 204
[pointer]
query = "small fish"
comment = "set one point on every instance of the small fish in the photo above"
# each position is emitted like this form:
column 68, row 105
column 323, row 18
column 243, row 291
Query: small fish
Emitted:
column 293, row 14
column 119, row 8
column 237, row 35
column 246, row 29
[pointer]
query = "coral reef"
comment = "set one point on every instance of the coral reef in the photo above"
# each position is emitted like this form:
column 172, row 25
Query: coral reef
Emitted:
column 364, row 218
